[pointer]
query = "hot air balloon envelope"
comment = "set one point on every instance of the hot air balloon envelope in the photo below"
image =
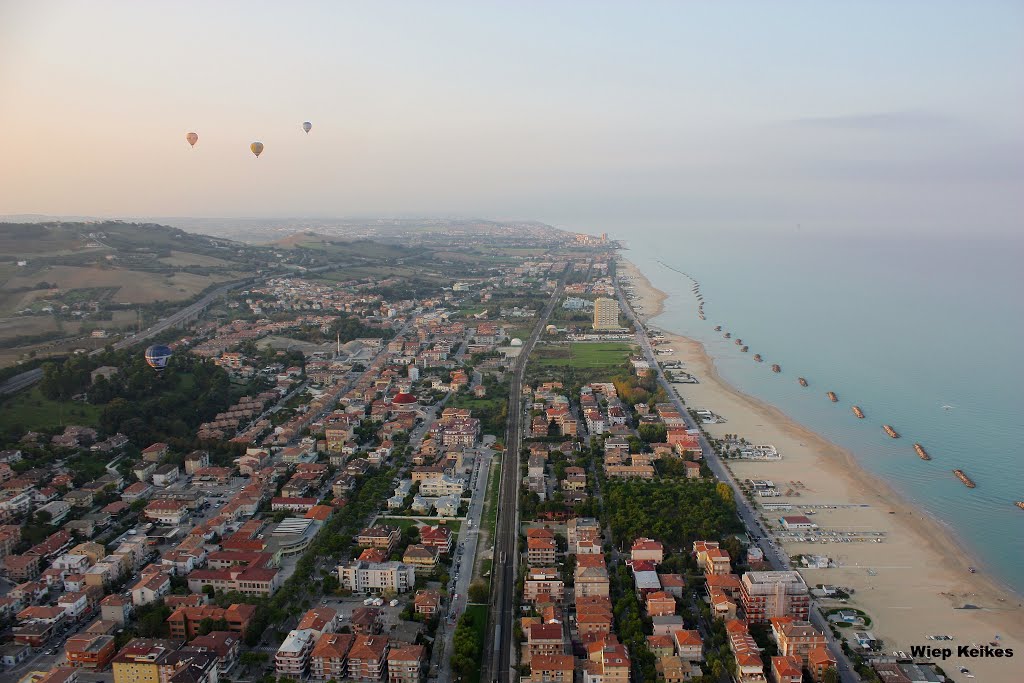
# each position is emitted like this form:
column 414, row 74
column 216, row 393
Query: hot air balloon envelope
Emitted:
column 307, row 126
column 192, row 139
column 256, row 148
column 157, row 356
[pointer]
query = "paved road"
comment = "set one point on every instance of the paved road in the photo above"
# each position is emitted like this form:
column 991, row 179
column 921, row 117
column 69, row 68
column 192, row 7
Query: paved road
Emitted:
column 498, row 651
column 772, row 552
column 464, row 552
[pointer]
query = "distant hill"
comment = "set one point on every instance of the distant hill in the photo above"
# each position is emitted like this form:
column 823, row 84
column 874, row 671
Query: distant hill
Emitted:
column 61, row 279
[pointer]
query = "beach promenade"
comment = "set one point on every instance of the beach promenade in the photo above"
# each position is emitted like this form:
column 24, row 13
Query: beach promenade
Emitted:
column 913, row 584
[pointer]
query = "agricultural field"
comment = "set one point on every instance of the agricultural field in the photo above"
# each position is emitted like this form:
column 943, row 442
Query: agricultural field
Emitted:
column 133, row 287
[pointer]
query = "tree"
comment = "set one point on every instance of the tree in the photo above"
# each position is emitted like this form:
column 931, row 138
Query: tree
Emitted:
column 830, row 675
column 479, row 592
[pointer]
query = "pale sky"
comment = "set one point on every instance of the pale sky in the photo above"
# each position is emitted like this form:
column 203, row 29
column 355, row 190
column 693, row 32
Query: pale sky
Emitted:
column 588, row 115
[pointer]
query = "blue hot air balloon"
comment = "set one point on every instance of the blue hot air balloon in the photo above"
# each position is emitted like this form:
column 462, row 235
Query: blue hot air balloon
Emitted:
column 157, row 356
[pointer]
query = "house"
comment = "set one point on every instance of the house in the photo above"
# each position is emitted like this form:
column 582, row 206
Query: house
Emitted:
column 716, row 561
column 150, row 587
column 155, row 452
column 543, row 581
column 422, row 556
column 688, row 644
column 427, row 602
column 660, row 603
column 165, row 475
column 787, row 669
column 196, row 460
column 819, row 660
column 379, row 536
column 439, row 537
column 319, row 619
column 675, row 669
column 89, row 651
column 116, row 607
column 647, row 549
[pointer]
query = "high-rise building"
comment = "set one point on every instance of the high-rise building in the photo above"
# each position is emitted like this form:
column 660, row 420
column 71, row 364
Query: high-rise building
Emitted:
column 774, row 594
column 606, row 314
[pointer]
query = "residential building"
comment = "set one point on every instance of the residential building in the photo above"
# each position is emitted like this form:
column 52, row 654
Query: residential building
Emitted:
column 89, row 651
column 406, row 664
column 551, row 669
column 367, row 660
column 787, row 669
column 796, row 638
column 329, row 658
column 367, row 577
column 185, row 621
column 774, row 594
column 224, row 644
column 292, row 658
column 144, row 660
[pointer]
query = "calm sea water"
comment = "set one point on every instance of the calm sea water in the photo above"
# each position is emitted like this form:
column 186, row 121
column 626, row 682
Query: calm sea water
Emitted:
column 900, row 328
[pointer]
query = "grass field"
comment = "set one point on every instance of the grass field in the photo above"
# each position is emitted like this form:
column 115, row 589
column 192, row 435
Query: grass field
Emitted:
column 582, row 355
column 491, row 502
column 478, row 404
column 31, row 410
column 182, row 258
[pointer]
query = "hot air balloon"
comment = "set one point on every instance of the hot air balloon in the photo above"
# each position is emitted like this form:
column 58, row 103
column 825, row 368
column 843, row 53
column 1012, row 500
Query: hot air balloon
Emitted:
column 257, row 148
column 192, row 139
column 306, row 126
column 157, row 356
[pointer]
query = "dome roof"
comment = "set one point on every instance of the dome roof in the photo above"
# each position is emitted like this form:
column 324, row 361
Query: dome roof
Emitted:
column 402, row 398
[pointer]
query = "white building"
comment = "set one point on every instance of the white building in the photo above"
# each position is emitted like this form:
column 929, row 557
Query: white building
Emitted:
column 373, row 577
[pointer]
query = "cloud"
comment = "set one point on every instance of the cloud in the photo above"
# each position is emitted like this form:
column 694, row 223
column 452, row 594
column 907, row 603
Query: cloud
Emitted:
column 882, row 121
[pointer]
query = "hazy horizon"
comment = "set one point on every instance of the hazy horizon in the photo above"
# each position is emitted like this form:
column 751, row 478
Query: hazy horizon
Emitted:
column 882, row 117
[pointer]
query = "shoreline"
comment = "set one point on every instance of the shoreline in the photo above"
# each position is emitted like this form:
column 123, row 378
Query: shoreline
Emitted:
column 922, row 569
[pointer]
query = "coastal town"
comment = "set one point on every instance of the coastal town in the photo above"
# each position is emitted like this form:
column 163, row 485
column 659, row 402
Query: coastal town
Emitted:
column 469, row 460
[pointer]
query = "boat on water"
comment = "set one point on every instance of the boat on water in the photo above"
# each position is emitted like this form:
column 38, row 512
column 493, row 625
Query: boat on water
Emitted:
column 776, row 367
column 728, row 334
column 858, row 412
column 921, row 452
column 718, row 328
column 757, row 357
column 744, row 349
column 964, row 478
column 1020, row 504
column 802, row 381
column 832, row 396
column 739, row 342
column 891, row 432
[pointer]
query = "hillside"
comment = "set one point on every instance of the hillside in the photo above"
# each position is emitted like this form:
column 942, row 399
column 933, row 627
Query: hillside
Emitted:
column 60, row 281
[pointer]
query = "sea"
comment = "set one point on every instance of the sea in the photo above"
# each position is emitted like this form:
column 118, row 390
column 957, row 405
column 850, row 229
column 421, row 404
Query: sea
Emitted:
column 924, row 333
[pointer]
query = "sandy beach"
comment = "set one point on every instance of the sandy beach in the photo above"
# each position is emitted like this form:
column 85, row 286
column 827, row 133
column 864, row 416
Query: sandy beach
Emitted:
column 912, row 585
